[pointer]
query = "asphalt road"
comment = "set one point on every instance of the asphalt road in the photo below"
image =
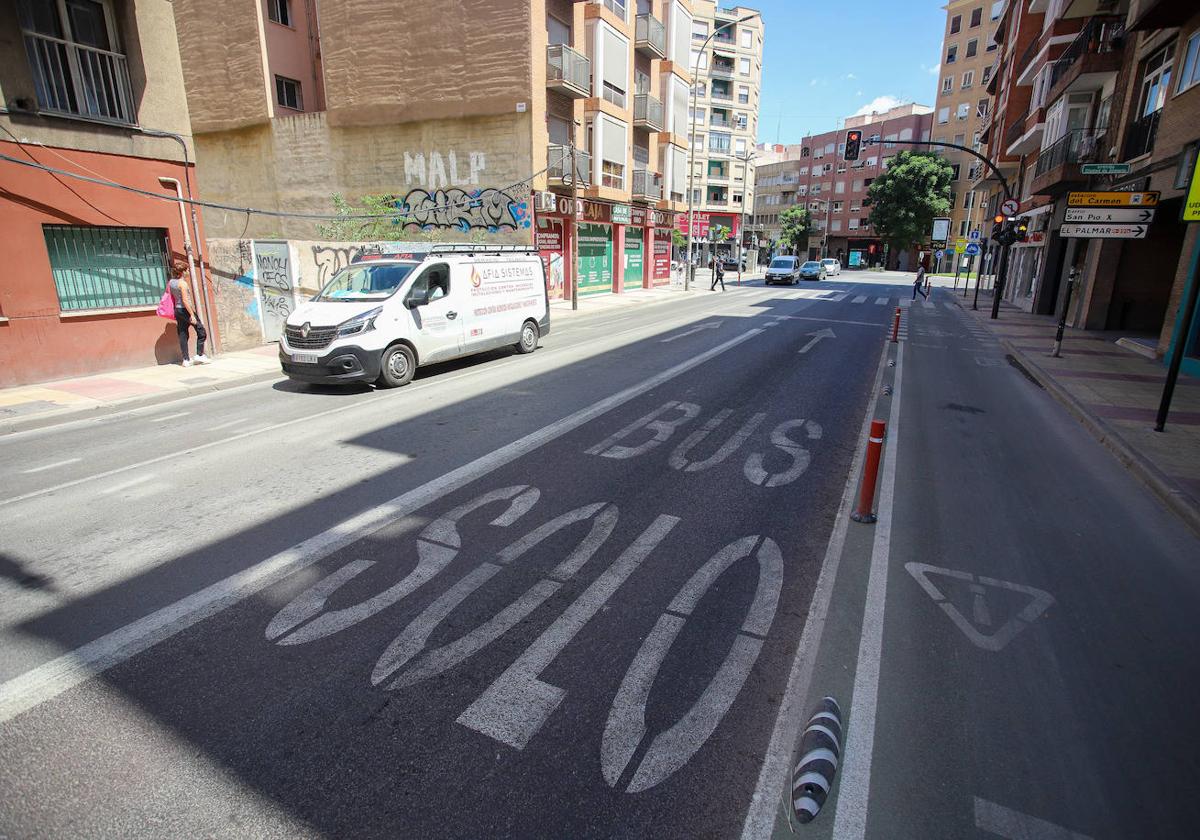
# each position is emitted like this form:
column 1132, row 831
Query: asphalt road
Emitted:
column 555, row 595
column 594, row 592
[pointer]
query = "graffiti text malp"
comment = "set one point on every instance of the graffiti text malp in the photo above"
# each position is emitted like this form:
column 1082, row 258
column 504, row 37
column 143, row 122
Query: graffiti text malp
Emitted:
column 443, row 171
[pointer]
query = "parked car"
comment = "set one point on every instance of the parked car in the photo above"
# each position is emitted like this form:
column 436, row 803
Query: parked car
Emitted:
column 783, row 270
column 385, row 314
column 731, row 263
column 832, row 266
column 812, row 270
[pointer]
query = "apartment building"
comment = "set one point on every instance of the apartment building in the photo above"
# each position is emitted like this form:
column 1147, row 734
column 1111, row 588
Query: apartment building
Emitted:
column 94, row 88
column 726, row 55
column 1119, row 87
column 968, row 53
column 466, row 129
column 814, row 174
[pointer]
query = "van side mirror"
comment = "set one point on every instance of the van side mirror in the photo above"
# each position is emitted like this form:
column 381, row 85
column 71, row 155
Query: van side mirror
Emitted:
column 417, row 297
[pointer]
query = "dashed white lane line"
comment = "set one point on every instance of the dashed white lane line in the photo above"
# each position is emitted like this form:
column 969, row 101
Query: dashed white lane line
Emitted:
column 53, row 466
column 125, row 485
column 1013, row 825
column 167, row 417
column 78, row 666
column 238, row 422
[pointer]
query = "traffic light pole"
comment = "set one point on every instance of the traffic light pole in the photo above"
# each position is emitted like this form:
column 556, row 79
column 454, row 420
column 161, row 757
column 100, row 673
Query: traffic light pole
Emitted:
column 998, row 286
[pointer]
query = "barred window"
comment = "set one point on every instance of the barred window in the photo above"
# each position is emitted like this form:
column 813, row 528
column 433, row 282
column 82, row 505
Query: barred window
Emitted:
column 106, row 267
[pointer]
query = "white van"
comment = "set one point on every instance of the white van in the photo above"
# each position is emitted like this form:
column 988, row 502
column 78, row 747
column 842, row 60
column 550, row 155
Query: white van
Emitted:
column 387, row 313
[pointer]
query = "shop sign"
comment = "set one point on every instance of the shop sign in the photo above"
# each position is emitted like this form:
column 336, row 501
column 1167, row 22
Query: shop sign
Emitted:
column 1191, row 202
column 662, row 256
column 619, row 214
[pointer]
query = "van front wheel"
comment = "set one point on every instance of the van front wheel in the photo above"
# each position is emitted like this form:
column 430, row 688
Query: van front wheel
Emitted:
column 529, row 338
column 396, row 367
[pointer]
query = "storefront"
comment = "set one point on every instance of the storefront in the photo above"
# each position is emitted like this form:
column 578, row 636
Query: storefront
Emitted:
column 552, row 245
column 595, row 258
column 704, row 229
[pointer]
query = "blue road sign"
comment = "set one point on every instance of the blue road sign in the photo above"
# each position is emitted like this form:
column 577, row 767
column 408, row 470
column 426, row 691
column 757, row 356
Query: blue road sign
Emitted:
column 972, row 249
column 937, row 255
column 975, row 235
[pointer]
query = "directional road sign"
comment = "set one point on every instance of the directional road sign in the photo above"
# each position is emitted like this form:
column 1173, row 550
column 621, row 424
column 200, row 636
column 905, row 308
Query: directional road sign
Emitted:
column 972, row 249
column 1105, row 169
column 1112, row 199
column 960, row 246
column 1105, row 216
column 1009, row 207
column 1104, row 231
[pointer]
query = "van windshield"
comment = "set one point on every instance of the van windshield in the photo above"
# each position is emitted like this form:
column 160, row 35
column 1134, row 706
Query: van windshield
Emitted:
column 783, row 262
column 371, row 281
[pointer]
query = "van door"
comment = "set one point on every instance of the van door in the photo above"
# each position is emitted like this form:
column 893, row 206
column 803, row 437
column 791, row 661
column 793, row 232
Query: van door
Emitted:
column 437, row 326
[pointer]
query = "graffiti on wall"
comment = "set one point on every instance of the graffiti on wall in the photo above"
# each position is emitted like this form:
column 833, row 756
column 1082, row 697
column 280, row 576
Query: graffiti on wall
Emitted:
column 442, row 171
column 276, row 292
column 488, row 209
column 330, row 259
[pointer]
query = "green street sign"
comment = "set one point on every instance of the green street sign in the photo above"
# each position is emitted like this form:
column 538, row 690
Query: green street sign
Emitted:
column 1104, row 169
column 621, row 214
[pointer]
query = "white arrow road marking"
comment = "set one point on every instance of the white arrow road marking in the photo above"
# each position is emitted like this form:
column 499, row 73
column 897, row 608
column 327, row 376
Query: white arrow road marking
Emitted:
column 1013, row 825
column 692, row 331
column 1039, row 602
column 816, row 337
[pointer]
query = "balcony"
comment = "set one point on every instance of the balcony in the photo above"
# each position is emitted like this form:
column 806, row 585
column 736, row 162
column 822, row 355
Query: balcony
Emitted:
column 558, row 159
column 718, row 148
column 647, row 112
column 650, row 36
column 81, row 81
column 719, row 95
column 1139, row 140
column 1093, row 57
column 568, row 72
column 718, row 122
column 647, row 186
column 1057, row 168
column 722, row 69
column 1025, row 135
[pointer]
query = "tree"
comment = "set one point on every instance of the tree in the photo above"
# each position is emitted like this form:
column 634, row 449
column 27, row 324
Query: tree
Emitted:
column 678, row 239
column 908, row 195
column 720, row 233
column 795, row 223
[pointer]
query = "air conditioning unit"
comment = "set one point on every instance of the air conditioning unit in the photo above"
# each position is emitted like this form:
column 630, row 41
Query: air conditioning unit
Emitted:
column 546, row 202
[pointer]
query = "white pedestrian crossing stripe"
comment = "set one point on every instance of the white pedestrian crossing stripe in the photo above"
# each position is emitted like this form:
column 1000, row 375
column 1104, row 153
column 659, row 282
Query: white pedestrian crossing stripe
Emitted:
column 881, row 301
column 860, row 299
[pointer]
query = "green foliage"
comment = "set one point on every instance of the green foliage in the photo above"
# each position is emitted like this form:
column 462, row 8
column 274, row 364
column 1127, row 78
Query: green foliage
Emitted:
column 678, row 239
column 796, row 224
column 345, row 229
column 720, row 233
column 906, row 198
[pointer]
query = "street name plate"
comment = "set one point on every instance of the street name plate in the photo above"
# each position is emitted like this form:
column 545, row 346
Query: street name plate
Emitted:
column 1112, row 199
column 1105, row 169
column 1103, row 231
column 1105, row 216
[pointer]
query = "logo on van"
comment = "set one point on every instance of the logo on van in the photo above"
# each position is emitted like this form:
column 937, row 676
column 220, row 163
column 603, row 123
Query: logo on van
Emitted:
column 306, row 329
column 476, row 278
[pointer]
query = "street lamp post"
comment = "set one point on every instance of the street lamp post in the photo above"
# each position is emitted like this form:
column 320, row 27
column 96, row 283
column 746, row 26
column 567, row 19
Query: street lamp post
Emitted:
column 691, row 268
column 742, row 213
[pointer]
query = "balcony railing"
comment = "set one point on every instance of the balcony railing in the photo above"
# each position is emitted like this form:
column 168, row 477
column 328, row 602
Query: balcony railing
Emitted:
column 647, row 184
column 725, row 70
column 558, row 159
column 70, row 78
column 1079, row 146
column 1015, row 130
column 650, row 35
column 1139, row 140
column 719, row 148
column 647, row 112
column 641, row 156
column 717, row 122
column 568, row 69
column 1101, row 35
column 721, row 95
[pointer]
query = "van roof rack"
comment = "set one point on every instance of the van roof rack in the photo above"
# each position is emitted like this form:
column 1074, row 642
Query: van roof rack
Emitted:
column 475, row 248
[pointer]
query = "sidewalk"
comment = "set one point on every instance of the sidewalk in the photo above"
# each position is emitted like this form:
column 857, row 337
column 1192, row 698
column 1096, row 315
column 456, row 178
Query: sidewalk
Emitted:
column 1114, row 393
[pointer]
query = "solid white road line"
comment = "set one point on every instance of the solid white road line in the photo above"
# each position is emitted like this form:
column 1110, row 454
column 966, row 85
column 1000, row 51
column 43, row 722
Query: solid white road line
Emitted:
column 850, row 820
column 71, row 669
column 774, row 775
column 169, row 417
column 53, row 466
column 240, row 421
column 1013, row 825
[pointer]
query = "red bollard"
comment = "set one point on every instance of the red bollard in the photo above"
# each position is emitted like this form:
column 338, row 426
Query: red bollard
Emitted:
column 866, row 494
column 896, row 326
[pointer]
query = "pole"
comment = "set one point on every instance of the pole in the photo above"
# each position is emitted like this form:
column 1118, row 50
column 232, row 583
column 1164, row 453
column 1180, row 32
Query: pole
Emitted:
column 574, row 228
column 1180, row 339
column 1062, row 321
column 978, row 280
column 998, row 285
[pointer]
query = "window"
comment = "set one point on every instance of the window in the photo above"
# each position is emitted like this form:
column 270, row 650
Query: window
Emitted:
column 968, row 79
column 744, row 66
column 835, row 225
column 987, row 73
column 962, row 228
column 955, row 24
column 839, row 188
column 855, row 206
column 743, row 95
column 746, row 38
column 287, row 93
column 969, row 200
column 997, row 8
column 960, row 139
column 853, row 223
column 699, row 30
column 943, row 116
column 1156, row 80
column 616, row 67
column 828, row 148
column 106, row 267
column 856, row 185
column 952, row 54
column 972, row 47
column 741, row 121
column 700, row 57
column 976, row 17
column 737, row 198
column 957, row 167
column 1189, row 74
column 279, row 11
column 964, row 110
column 612, row 153
column 557, row 31
column 947, row 84
column 982, row 107
column 739, row 146
column 75, row 59
column 837, row 207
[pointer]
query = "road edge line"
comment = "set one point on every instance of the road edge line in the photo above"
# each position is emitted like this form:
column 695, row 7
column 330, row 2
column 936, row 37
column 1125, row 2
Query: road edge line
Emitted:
column 774, row 774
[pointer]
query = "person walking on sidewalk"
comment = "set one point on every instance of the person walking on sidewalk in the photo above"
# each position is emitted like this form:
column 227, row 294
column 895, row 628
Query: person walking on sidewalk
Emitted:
column 185, row 314
column 718, row 274
column 919, row 283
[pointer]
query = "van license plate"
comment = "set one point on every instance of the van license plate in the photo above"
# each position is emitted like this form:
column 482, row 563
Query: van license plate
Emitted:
column 304, row 358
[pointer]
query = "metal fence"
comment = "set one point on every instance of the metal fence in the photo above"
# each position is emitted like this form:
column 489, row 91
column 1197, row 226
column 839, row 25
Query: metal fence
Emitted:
column 106, row 267
column 564, row 64
column 73, row 79
column 650, row 30
column 559, row 160
column 649, row 110
column 1079, row 146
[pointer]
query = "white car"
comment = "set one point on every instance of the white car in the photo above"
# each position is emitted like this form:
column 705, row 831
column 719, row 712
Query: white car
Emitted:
column 832, row 266
column 384, row 315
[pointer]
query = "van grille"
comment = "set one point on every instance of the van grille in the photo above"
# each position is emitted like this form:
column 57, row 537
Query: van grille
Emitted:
column 318, row 337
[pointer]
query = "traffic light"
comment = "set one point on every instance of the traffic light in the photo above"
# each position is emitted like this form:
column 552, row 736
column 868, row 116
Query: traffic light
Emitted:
column 1022, row 230
column 853, row 144
column 997, row 226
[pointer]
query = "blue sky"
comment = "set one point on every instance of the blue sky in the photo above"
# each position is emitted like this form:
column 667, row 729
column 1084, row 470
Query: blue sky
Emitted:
column 825, row 59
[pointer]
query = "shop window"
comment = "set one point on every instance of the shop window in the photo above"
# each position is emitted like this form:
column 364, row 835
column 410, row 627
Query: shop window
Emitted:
column 106, row 267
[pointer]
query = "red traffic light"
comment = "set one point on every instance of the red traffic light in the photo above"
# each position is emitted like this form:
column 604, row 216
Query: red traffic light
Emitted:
column 999, row 219
column 853, row 144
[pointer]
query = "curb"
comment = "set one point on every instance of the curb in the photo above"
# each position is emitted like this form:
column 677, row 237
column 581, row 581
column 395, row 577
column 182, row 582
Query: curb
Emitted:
column 1171, row 494
column 68, row 415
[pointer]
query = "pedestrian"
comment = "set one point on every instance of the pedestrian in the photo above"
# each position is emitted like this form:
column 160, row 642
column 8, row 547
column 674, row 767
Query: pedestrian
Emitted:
column 919, row 283
column 184, row 299
column 718, row 275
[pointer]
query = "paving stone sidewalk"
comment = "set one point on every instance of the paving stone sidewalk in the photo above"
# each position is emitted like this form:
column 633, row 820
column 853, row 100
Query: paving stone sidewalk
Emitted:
column 1114, row 393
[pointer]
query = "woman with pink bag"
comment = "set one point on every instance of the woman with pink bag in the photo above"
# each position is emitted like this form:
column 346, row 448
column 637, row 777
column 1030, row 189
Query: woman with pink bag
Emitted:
column 184, row 305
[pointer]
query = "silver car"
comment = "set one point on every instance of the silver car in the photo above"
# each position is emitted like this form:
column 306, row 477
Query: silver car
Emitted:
column 832, row 266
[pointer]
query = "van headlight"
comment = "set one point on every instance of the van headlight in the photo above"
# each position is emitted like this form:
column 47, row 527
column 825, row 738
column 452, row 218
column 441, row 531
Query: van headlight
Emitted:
column 359, row 323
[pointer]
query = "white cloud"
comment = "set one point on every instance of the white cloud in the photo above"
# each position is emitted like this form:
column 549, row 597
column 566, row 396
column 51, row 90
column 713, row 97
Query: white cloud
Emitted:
column 878, row 105
column 851, row 76
column 858, row 93
column 812, row 83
